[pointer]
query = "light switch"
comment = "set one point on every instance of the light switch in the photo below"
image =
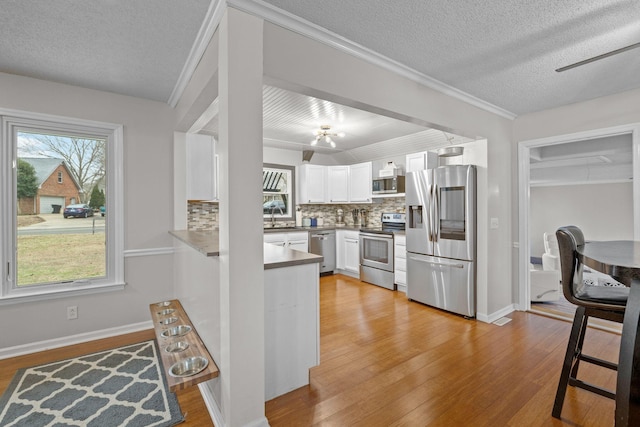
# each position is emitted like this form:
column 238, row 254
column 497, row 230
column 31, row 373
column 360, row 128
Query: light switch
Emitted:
column 494, row 223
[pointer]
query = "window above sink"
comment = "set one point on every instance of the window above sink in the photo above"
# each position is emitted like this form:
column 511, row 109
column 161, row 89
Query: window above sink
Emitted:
column 278, row 192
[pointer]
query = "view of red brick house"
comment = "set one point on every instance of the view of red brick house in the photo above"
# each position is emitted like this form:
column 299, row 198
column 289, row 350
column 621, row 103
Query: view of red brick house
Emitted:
column 56, row 186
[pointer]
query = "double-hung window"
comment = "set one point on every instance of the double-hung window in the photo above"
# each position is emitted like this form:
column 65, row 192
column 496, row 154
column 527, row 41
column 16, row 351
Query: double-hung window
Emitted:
column 61, row 211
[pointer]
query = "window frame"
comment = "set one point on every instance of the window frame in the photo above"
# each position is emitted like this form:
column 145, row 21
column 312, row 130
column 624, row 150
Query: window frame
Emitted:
column 290, row 215
column 60, row 175
column 13, row 121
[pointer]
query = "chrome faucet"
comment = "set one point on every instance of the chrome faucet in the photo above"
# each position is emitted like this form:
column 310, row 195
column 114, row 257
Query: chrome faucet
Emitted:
column 273, row 217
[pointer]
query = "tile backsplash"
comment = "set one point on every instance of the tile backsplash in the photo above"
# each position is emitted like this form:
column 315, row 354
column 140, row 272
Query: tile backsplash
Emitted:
column 202, row 216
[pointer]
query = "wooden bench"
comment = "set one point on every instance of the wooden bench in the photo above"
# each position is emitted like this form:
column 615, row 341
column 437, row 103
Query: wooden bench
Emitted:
column 196, row 346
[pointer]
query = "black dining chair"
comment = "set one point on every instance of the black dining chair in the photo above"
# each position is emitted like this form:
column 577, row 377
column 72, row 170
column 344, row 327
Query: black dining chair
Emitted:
column 603, row 302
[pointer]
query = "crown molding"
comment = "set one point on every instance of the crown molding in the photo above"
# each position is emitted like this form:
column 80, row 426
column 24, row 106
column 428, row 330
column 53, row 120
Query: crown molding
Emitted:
column 301, row 26
column 209, row 25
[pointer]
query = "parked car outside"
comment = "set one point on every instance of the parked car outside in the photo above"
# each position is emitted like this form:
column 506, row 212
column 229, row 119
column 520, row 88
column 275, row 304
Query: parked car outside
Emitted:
column 77, row 211
column 276, row 206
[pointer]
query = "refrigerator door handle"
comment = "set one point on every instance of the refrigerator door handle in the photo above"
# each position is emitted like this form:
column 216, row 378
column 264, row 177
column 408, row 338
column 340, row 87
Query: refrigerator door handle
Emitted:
column 444, row 264
column 436, row 214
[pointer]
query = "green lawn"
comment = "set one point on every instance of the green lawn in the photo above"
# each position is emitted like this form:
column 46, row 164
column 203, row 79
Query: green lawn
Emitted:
column 60, row 257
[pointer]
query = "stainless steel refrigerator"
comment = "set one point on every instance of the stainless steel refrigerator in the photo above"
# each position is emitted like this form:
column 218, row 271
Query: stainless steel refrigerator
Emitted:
column 441, row 238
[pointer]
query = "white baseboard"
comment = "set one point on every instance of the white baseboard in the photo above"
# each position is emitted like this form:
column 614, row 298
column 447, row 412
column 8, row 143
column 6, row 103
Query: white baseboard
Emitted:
column 347, row 273
column 490, row 318
column 216, row 414
column 34, row 347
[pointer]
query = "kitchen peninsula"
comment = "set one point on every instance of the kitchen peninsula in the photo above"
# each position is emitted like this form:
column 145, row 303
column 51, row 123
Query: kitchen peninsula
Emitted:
column 292, row 327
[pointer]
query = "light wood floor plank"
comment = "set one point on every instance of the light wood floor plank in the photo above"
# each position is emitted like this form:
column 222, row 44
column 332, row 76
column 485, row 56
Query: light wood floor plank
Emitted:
column 386, row 361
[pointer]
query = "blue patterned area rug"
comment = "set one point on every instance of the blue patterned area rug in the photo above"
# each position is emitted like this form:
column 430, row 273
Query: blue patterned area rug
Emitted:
column 120, row 387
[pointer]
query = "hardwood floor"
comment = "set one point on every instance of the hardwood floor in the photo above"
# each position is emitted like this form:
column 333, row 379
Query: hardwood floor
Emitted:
column 389, row 362
column 386, row 361
column 190, row 399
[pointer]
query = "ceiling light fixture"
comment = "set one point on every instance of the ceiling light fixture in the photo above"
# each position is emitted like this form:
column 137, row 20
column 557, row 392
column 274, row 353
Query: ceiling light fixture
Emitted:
column 598, row 57
column 325, row 135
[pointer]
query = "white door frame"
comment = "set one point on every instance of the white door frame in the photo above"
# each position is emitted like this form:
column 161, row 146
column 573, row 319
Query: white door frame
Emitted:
column 524, row 151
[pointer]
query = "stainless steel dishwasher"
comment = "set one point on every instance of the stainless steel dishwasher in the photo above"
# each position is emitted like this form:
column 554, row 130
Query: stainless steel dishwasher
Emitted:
column 324, row 243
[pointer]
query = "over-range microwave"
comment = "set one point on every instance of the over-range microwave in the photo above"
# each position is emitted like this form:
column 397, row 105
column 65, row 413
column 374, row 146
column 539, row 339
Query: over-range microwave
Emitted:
column 388, row 185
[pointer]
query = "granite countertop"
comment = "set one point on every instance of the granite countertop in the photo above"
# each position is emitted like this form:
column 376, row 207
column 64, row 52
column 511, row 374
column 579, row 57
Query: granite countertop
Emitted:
column 206, row 242
column 278, row 257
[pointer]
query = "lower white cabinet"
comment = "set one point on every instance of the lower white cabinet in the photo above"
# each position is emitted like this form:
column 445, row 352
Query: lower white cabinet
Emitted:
column 298, row 240
column 348, row 251
column 400, row 262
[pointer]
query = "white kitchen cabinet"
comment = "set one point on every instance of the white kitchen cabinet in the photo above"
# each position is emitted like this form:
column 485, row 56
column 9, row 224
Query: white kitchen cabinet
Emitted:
column 278, row 239
column 360, row 183
column 348, row 252
column 422, row 160
column 201, row 167
column 312, row 183
column 338, row 184
column 400, row 262
column 298, row 240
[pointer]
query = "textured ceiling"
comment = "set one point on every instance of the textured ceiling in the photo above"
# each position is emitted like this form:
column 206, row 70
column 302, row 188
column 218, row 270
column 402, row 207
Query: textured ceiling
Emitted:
column 135, row 48
column 504, row 52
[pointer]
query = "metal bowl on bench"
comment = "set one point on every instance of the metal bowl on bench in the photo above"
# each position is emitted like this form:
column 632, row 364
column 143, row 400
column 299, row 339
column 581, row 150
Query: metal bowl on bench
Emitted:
column 168, row 320
column 166, row 311
column 176, row 331
column 177, row 347
column 188, row 367
column 163, row 304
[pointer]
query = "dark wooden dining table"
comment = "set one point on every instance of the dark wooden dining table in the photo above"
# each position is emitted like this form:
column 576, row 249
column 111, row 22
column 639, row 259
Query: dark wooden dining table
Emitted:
column 620, row 259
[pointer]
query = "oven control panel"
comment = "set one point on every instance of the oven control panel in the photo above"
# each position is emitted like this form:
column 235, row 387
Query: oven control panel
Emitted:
column 393, row 217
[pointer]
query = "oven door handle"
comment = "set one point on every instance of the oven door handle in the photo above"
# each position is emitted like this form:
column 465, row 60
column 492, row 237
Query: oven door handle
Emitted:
column 376, row 237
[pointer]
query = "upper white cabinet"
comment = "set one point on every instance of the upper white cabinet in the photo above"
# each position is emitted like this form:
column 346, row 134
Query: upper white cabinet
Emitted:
column 201, row 167
column 334, row 184
column 338, row 184
column 312, row 183
column 421, row 161
column 360, row 183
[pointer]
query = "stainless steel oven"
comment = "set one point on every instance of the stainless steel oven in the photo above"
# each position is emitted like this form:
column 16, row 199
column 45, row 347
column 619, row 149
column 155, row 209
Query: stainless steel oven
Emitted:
column 376, row 259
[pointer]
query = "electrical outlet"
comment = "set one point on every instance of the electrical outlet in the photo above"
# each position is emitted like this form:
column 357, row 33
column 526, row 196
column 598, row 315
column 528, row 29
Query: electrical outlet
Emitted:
column 72, row 312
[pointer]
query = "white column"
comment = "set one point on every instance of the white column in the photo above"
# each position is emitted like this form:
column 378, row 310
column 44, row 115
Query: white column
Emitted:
column 242, row 370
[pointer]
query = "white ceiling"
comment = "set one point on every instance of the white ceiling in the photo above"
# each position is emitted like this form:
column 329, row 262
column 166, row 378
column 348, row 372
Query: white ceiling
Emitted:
column 501, row 52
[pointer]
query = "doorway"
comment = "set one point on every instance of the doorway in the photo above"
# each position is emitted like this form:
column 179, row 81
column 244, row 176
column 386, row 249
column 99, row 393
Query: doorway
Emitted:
column 575, row 164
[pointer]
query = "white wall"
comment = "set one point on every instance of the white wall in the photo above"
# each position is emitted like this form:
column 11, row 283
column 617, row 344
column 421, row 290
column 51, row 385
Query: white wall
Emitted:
column 609, row 111
column 602, row 211
column 148, row 137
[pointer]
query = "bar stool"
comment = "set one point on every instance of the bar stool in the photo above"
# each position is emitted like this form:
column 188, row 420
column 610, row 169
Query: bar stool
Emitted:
column 603, row 302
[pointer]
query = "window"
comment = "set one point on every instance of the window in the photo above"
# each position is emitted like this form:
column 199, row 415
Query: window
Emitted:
column 47, row 245
column 278, row 190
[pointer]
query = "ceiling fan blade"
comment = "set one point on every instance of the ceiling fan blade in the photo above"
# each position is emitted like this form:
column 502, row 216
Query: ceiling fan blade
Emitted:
column 599, row 57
